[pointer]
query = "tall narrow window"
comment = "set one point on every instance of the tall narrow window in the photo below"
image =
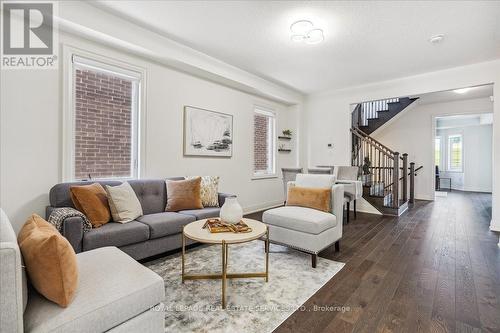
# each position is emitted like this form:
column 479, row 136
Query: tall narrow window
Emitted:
column 264, row 143
column 105, row 120
column 455, row 153
column 437, row 151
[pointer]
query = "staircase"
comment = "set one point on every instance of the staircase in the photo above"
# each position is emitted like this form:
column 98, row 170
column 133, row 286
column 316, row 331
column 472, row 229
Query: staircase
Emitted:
column 388, row 179
column 370, row 116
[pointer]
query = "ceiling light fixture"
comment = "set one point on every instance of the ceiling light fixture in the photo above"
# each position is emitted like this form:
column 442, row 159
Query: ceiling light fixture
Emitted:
column 304, row 31
column 461, row 91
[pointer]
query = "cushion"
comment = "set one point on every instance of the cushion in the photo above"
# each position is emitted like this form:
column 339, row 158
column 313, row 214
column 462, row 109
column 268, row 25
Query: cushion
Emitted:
column 183, row 194
column 309, row 180
column 115, row 234
column 301, row 219
column 92, row 201
column 50, row 260
column 201, row 214
column 316, row 198
column 166, row 223
column 123, row 202
column 209, row 190
column 152, row 194
column 113, row 288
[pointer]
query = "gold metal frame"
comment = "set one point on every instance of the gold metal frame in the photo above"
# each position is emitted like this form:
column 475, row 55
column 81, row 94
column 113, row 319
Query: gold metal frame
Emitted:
column 224, row 275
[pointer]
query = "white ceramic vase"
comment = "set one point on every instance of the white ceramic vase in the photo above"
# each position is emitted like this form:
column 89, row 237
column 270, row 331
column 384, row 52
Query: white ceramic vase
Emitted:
column 231, row 211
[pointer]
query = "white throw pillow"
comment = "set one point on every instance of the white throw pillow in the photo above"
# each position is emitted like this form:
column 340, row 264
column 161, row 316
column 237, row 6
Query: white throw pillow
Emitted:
column 123, row 202
column 209, row 190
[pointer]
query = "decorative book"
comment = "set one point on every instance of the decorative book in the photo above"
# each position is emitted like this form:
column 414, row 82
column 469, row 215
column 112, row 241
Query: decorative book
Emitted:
column 216, row 226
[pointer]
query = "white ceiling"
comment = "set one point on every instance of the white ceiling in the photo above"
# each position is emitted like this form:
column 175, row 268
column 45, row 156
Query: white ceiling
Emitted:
column 450, row 96
column 365, row 41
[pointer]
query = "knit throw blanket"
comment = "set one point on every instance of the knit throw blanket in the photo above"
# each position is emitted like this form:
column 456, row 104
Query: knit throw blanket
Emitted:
column 58, row 216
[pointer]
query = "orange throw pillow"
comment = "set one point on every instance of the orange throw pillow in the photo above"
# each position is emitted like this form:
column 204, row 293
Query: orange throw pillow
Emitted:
column 316, row 198
column 183, row 194
column 92, row 201
column 50, row 260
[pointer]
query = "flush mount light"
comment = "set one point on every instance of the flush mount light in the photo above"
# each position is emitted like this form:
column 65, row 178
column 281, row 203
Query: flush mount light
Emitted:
column 314, row 36
column 436, row 39
column 461, row 91
column 304, row 31
column 301, row 27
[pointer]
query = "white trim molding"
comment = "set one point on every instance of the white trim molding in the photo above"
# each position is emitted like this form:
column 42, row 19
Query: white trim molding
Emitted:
column 70, row 53
column 494, row 226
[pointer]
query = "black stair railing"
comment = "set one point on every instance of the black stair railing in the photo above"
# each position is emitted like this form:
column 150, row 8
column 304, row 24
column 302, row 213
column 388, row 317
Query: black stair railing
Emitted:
column 383, row 170
column 369, row 110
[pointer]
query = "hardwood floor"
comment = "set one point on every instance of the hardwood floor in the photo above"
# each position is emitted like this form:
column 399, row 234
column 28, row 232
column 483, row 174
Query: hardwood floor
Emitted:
column 435, row 269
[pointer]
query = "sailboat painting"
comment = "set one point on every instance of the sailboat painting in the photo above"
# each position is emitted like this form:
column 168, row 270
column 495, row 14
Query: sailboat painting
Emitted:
column 207, row 133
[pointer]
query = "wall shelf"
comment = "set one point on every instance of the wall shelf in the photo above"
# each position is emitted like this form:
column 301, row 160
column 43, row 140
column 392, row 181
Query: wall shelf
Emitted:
column 285, row 137
column 285, row 150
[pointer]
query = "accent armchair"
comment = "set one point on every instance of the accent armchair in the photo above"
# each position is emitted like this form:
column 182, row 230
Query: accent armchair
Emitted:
column 306, row 229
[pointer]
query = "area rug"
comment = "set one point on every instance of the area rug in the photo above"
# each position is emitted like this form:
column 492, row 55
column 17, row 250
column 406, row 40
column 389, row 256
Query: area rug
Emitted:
column 252, row 304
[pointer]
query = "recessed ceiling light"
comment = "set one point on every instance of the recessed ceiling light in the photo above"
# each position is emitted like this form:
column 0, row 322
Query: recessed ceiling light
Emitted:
column 436, row 39
column 304, row 31
column 461, row 91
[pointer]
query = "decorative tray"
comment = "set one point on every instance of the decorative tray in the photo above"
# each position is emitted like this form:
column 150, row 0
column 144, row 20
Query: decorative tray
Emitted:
column 216, row 226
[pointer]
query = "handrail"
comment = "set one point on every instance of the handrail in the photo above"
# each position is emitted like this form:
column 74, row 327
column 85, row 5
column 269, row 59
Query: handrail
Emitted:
column 387, row 166
column 373, row 142
column 366, row 136
column 409, row 174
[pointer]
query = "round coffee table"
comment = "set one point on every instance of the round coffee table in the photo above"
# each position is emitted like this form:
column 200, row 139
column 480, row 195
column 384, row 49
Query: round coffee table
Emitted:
column 195, row 231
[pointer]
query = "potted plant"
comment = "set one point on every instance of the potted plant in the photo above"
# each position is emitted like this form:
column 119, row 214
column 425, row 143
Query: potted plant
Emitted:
column 366, row 177
column 287, row 133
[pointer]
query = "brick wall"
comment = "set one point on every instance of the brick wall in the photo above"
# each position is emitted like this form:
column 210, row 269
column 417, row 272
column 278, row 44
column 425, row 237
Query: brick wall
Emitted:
column 260, row 145
column 103, row 125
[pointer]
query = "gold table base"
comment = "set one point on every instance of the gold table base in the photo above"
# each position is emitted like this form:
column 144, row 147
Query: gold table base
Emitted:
column 225, row 275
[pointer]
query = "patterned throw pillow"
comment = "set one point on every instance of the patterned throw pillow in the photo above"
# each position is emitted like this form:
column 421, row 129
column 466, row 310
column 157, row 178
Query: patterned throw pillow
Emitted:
column 209, row 190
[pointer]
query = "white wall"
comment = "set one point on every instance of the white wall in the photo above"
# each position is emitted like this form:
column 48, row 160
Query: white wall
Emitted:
column 328, row 113
column 477, row 157
column 478, row 165
column 32, row 141
column 413, row 133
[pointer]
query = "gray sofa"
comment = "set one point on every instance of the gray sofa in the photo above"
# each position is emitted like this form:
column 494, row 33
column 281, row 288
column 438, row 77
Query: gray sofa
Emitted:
column 153, row 233
column 115, row 294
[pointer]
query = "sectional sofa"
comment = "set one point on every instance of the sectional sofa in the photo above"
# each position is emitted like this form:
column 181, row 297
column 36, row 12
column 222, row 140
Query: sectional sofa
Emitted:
column 153, row 233
column 115, row 294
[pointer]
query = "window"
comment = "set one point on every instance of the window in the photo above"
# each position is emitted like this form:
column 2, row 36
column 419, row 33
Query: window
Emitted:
column 437, row 151
column 264, row 143
column 455, row 153
column 105, row 120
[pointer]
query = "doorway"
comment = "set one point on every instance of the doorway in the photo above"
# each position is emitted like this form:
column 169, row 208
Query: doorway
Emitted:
column 462, row 142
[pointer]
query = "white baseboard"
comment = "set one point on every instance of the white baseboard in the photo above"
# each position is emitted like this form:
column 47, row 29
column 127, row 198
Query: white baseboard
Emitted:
column 481, row 190
column 425, row 197
column 263, row 206
column 494, row 226
column 367, row 211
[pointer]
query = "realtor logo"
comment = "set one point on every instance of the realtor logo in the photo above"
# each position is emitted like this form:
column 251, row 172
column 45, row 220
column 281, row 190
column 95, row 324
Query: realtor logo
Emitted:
column 28, row 35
